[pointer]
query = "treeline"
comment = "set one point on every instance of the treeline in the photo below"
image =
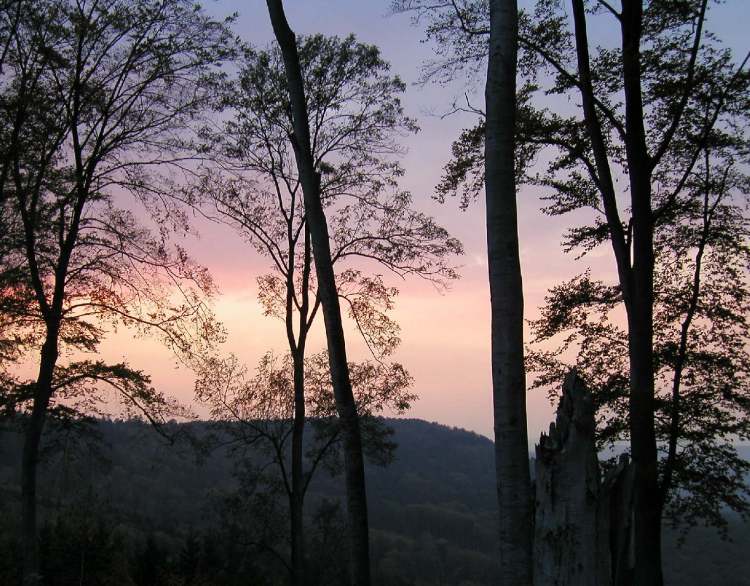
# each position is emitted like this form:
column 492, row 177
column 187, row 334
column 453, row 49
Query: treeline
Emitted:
column 130, row 509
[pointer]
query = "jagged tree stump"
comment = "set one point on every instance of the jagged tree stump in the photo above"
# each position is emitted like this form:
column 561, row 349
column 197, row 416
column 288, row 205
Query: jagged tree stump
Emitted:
column 571, row 534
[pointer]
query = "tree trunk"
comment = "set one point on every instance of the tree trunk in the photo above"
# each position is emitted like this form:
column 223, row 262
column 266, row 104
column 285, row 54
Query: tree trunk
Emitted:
column 640, row 311
column 571, row 529
column 297, row 498
column 617, row 502
column 583, row 530
column 342, row 388
column 636, row 279
column 30, row 458
column 506, row 298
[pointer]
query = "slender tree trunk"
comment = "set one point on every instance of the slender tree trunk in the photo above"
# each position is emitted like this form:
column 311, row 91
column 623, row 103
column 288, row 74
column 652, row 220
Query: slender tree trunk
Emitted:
column 640, row 310
column 342, row 388
column 682, row 348
column 297, row 496
column 30, row 458
column 506, row 292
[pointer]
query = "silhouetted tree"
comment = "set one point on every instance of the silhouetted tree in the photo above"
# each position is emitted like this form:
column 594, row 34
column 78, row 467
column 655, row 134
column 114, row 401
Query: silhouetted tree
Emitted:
column 701, row 363
column 310, row 179
column 355, row 116
column 310, row 173
column 94, row 96
column 682, row 95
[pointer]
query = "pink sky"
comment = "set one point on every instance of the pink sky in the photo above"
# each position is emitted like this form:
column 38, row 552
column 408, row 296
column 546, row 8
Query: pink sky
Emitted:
column 445, row 336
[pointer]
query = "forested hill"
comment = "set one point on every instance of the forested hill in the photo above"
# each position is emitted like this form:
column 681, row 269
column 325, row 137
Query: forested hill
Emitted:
column 160, row 504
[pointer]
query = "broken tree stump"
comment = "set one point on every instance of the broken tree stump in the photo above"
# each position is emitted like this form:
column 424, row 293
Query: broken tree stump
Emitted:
column 571, row 533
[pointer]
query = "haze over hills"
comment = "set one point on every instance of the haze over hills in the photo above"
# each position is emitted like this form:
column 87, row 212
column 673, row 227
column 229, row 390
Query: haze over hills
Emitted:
column 432, row 509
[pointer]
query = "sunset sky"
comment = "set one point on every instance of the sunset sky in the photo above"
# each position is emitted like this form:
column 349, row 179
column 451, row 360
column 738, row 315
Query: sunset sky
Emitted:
column 445, row 335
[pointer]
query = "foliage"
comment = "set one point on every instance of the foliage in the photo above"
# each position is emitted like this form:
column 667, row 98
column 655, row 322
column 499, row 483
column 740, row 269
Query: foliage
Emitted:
column 695, row 117
column 254, row 185
column 94, row 96
column 257, row 412
column 433, row 512
column 695, row 99
column 356, row 117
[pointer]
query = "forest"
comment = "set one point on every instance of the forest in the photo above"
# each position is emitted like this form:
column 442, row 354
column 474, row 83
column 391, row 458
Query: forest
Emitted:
column 246, row 249
column 135, row 510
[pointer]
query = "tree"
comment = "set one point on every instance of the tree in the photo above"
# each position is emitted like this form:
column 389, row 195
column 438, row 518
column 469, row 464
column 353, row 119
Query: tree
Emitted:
column 681, row 96
column 506, row 300
column 96, row 95
column 255, row 417
column 310, row 179
column 701, row 364
column 498, row 44
column 650, row 108
column 355, row 116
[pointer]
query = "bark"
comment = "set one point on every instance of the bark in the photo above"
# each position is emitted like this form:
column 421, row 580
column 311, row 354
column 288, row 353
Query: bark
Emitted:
column 571, row 529
column 30, row 458
column 342, row 388
column 640, row 312
column 297, row 496
column 583, row 530
column 506, row 298
column 617, row 502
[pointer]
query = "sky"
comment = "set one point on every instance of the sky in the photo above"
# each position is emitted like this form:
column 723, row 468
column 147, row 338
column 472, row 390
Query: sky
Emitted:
column 445, row 334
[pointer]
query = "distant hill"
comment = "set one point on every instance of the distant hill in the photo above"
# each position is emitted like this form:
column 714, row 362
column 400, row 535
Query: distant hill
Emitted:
column 432, row 510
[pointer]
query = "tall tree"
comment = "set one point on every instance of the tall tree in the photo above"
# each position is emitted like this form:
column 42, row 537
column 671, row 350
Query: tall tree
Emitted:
column 679, row 92
column 316, row 219
column 355, row 116
column 467, row 34
column 95, row 95
column 650, row 103
column 506, row 299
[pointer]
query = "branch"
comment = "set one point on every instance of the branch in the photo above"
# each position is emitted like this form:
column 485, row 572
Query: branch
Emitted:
column 669, row 134
column 572, row 79
column 607, row 190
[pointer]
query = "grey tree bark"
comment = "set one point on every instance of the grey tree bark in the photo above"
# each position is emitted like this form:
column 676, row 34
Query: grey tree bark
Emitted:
column 571, row 545
column 506, row 299
column 583, row 530
column 342, row 388
column 617, row 501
